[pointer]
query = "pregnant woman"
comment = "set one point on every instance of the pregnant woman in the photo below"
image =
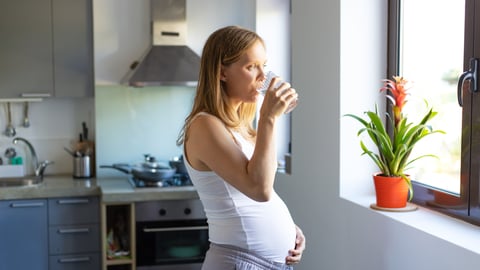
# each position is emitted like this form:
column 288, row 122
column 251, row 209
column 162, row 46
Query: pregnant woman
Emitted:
column 231, row 164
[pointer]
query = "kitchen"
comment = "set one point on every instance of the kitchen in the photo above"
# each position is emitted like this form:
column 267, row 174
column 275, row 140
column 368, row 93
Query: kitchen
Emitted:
column 336, row 239
column 125, row 123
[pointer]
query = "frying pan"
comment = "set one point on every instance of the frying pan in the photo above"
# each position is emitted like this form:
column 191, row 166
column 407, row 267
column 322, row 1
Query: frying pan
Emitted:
column 144, row 173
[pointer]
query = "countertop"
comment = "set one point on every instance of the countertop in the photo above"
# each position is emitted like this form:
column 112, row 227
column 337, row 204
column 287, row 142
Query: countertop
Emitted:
column 111, row 190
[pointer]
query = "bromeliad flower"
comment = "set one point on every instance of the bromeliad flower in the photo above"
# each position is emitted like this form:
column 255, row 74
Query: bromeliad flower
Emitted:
column 398, row 88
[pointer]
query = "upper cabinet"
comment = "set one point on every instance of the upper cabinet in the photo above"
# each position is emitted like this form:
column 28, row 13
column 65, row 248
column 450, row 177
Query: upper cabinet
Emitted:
column 73, row 48
column 46, row 48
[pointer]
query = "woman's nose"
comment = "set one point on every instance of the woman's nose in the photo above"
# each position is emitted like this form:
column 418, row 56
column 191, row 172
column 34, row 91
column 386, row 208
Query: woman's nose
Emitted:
column 263, row 75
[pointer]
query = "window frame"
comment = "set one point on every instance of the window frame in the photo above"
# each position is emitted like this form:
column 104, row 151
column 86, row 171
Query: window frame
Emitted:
column 464, row 207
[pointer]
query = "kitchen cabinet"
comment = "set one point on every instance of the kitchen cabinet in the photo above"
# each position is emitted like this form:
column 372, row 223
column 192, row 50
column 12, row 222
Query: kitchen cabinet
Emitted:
column 118, row 233
column 46, row 48
column 74, row 233
column 23, row 234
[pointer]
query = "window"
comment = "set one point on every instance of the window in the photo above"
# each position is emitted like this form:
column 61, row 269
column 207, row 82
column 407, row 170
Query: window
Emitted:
column 431, row 43
column 276, row 14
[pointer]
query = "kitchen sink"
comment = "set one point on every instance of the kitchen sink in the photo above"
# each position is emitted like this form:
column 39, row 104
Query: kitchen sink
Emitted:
column 20, row 181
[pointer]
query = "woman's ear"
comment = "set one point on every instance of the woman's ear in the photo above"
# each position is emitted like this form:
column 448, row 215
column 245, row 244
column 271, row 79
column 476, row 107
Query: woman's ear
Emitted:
column 223, row 76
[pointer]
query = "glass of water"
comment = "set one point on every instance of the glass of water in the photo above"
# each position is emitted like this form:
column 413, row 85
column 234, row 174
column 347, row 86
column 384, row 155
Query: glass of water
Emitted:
column 270, row 75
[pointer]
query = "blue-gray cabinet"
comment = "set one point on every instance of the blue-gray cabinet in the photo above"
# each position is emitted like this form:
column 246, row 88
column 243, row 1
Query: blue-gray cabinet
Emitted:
column 23, row 234
column 74, row 233
column 46, row 48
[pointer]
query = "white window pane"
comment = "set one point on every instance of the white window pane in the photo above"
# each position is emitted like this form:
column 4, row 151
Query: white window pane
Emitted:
column 432, row 38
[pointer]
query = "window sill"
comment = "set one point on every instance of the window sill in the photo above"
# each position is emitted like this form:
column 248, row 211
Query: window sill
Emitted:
column 444, row 227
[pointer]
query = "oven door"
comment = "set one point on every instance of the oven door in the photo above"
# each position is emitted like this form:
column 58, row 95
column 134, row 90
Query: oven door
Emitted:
column 179, row 243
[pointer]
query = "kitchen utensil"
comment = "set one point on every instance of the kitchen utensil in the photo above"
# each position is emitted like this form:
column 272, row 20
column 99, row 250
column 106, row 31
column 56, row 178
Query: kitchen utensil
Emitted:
column 179, row 164
column 144, row 173
column 26, row 120
column 9, row 130
column 84, row 131
column 81, row 167
column 76, row 154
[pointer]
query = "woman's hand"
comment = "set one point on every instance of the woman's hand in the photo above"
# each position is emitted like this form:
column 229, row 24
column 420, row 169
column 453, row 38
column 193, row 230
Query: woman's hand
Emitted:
column 278, row 98
column 296, row 254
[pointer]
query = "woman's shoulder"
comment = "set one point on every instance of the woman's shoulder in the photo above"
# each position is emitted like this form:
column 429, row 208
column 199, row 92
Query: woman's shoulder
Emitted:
column 203, row 118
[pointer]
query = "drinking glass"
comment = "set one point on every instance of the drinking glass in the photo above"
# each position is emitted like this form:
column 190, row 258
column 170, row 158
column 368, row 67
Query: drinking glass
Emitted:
column 270, row 75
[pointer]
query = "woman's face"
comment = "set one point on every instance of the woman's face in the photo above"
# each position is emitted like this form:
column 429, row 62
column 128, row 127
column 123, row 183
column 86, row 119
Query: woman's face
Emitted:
column 243, row 78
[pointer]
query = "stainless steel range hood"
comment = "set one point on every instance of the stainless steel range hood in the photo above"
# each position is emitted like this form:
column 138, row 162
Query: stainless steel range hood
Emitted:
column 169, row 62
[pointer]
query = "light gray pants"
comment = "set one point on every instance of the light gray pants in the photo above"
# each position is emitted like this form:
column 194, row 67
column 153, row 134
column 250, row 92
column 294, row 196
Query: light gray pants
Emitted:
column 223, row 257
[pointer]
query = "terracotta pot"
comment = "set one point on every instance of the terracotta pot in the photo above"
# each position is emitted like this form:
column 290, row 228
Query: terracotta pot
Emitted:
column 391, row 192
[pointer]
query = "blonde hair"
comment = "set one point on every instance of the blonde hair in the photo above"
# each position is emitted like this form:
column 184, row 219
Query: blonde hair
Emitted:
column 224, row 47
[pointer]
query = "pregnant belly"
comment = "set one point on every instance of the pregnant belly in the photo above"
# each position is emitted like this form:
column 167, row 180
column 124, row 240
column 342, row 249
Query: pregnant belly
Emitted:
column 274, row 242
column 271, row 231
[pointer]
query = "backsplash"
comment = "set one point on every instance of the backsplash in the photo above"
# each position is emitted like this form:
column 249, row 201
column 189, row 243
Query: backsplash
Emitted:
column 131, row 122
column 54, row 123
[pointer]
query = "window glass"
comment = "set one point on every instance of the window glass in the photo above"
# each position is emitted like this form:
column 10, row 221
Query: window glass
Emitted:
column 431, row 57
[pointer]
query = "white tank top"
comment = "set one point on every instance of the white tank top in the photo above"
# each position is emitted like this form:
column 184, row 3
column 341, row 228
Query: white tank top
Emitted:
column 265, row 228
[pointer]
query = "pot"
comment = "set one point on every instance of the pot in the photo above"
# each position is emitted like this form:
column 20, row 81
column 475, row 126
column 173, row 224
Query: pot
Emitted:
column 391, row 191
column 179, row 164
column 144, row 172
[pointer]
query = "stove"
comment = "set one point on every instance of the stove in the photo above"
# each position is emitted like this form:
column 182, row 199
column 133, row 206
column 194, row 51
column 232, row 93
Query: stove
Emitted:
column 177, row 180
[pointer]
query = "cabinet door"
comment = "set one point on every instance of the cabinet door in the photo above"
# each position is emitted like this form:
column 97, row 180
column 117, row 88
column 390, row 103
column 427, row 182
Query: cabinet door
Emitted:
column 23, row 235
column 74, row 239
column 88, row 261
column 25, row 48
column 73, row 48
column 74, row 210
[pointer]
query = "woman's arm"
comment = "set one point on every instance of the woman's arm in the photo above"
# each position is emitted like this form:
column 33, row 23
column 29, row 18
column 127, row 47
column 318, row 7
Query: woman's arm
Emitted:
column 210, row 146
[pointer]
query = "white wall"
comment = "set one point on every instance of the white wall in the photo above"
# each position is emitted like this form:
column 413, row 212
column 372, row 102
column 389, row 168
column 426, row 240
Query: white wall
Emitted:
column 338, row 55
column 54, row 123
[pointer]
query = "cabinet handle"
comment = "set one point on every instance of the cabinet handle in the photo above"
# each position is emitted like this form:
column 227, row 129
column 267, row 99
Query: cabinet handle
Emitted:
column 22, row 205
column 36, row 95
column 171, row 229
column 80, row 230
column 73, row 201
column 74, row 260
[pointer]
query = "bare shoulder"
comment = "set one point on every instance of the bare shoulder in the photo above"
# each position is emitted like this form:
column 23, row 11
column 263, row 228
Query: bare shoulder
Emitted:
column 207, row 136
column 205, row 124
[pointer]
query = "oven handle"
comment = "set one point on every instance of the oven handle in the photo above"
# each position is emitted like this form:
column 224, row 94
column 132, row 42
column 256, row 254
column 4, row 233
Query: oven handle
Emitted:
column 171, row 229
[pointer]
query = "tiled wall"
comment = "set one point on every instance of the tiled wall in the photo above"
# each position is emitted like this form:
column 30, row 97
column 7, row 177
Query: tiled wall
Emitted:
column 131, row 122
column 54, row 124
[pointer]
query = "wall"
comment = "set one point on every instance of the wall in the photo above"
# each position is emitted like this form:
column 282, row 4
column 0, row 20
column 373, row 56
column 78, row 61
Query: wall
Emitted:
column 54, row 123
column 337, row 63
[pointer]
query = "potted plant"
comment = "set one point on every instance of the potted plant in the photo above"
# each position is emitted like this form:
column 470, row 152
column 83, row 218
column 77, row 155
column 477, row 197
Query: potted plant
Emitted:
column 393, row 149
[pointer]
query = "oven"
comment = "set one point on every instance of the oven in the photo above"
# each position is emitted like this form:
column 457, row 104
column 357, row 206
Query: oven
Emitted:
column 170, row 234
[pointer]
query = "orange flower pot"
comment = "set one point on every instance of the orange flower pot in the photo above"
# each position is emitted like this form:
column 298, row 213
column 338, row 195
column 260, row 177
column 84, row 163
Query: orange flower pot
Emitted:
column 391, row 192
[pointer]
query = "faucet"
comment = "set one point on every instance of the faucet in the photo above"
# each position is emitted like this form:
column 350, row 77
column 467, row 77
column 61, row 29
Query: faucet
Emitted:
column 38, row 168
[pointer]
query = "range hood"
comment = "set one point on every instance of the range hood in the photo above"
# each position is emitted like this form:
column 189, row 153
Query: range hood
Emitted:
column 168, row 62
